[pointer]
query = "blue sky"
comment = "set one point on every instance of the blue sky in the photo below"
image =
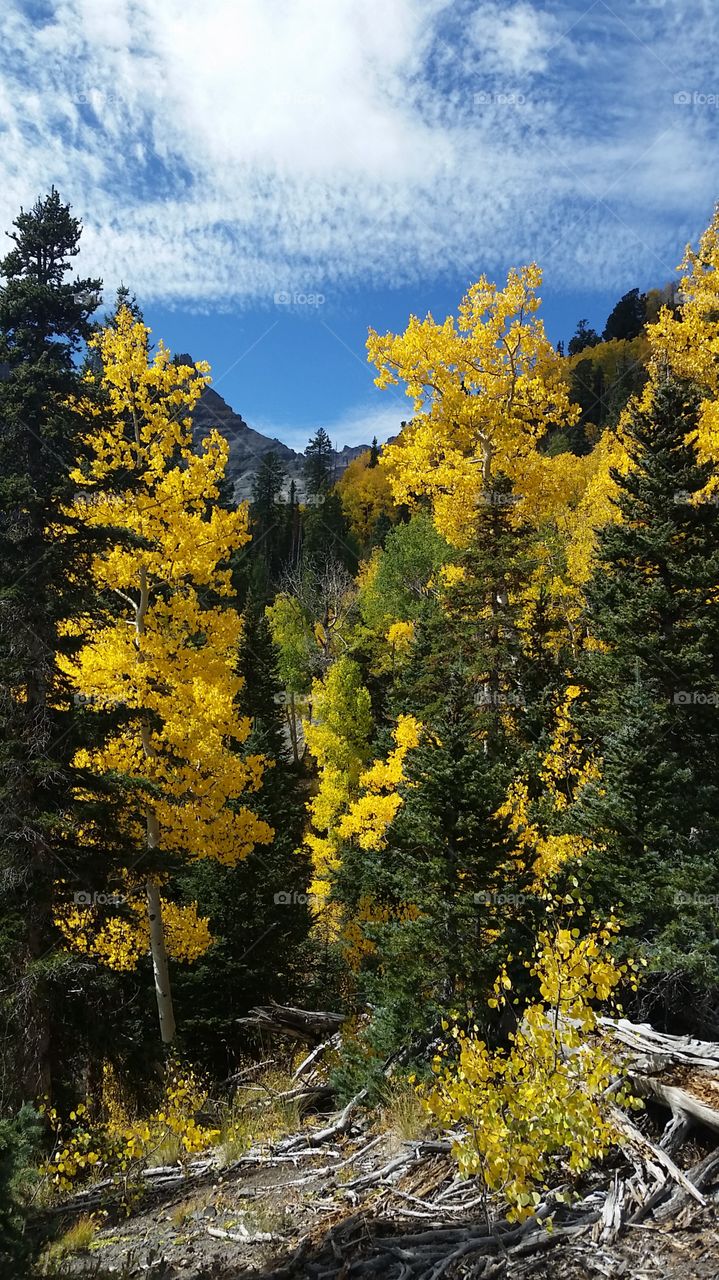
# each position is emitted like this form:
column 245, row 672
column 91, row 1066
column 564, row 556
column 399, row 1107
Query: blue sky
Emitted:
column 365, row 160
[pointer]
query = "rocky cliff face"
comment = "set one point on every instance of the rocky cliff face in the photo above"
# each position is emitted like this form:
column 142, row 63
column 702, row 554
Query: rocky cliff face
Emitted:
column 247, row 446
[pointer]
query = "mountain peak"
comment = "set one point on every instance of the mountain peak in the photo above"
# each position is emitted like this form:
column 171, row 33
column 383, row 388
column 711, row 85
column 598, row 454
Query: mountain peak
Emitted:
column 248, row 447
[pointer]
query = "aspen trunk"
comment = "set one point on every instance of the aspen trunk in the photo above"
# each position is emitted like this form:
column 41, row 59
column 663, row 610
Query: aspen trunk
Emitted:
column 159, row 963
column 158, row 951
column 292, row 718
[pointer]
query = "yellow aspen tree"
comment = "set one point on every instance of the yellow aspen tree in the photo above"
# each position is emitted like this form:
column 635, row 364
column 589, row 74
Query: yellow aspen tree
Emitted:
column 337, row 737
column 484, row 386
column 365, row 493
column 686, row 341
column 167, row 656
column 370, row 814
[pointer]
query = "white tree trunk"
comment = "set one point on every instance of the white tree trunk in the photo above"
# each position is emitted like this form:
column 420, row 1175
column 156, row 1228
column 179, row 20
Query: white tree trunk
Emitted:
column 158, row 952
column 292, row 718
column 159, row 961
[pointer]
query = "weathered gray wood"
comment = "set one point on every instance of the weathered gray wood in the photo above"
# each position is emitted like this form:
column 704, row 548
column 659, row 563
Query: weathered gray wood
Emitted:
column 310, row 1025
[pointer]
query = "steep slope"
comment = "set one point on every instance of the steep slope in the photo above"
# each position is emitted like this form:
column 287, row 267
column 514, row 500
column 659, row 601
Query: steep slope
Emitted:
column 247, row 446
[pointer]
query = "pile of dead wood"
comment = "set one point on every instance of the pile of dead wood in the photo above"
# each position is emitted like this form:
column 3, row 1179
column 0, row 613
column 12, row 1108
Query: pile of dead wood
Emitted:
column 647, row 1182
column 403, row 1212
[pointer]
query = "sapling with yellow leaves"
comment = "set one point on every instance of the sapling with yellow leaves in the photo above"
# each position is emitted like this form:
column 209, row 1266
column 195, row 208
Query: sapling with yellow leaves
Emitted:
column 546, row 1096
column 167, row 655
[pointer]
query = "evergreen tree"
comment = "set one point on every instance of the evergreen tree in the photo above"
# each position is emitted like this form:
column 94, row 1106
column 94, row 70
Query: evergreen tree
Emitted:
column 44, row 585
column 258, row 910
column 319, row 464
column 19, row 1152
column 583, row 384
column 477, row 630
column 267, row 486
column 628, row 317
column 440, row 899
column 125, row 298
column 445, row 890
column 292, row 532
column 653, row 688
column 327, row 535
column 269, row 541
column 583, row 337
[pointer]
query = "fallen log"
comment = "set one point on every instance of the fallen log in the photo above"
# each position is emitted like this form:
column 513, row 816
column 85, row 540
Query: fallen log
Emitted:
column 662, row 1047
column 680, row 1072
column 308, row 1063
column 340, row 1125
column 309, row 1025
column 629, row 1130
column 700, row 1175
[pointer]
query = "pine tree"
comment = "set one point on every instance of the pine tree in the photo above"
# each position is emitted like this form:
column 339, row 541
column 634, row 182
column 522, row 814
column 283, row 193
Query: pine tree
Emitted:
column 478, row 631
column 269, row 541
column 583, row 337
column 441, row 897
column 327, row 535
column 292, row 531
column 628, row 317
column 267, row 487
column 319, row 463
column 45, row 588
column 652, row 691
column 435, row 905
column 259, row 911
column 125, row 298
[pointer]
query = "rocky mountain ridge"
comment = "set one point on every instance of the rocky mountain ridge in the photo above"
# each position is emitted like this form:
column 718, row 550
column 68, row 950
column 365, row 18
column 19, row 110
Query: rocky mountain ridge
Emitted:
column 248, row 447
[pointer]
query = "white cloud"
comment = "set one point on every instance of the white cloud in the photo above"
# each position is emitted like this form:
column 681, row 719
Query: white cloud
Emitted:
column 220, row 153
column 515, row 38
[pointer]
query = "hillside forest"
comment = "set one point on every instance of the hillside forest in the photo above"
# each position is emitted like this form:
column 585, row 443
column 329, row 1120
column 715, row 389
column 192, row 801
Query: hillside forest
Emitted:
column 430, row 751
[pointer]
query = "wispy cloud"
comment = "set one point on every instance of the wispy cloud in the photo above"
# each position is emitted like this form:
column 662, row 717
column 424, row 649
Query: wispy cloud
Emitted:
column 220, row 153
column 516, row 39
